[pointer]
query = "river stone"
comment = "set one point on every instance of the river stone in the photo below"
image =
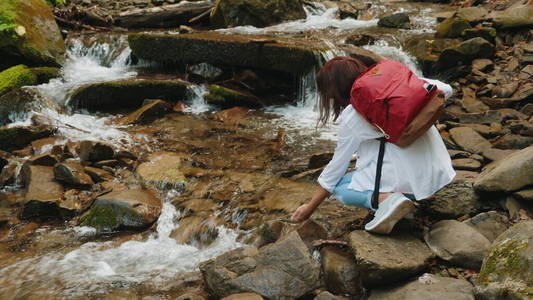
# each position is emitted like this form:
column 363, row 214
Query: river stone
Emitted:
column 257, row 13
column 399, row 20
column 513, row 17
column 163, row 169
column 283, row 270
column 148, row 112
column 468, row 164
column 327, row 296
column 128, row 208
column 44, row 159
column 452, row 27
column 474, row 14
column 243, row 296
column 508, row 174
column 386, row 259
column 496, row 154
column 95, row 151
column 42, row 192
column 97, row 174
column 195, row 230
column 31, row 35
column 490, row 224
column 469, row 140
column 427, row 287
column 340, row 271
column 457, row 243
column 72, row 173
column 225, row 97
column 488, row 33
column 13, row 138
column 513, row 141
column 508, row 267
column 16, row 77
column 526, row 195
column 114, row 95
column 454, row 200
column 467, row 51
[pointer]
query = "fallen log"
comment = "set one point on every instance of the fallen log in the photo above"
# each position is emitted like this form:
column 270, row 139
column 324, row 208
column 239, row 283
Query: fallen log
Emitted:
column 163, row 16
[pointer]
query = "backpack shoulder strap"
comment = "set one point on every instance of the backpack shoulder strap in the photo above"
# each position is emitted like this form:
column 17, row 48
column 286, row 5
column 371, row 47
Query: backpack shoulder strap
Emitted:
column 375, row 194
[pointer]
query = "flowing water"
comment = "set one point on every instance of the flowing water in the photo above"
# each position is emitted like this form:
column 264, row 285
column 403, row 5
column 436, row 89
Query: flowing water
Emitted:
column 85, row 264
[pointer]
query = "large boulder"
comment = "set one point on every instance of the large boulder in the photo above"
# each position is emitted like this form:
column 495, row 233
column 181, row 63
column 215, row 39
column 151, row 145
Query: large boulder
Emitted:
column 513, row 17
column 429, row 287
column 457, row 243
column 386, row 259
column 469, row 140
column 399, row 20
column 454, row 200
column 467, row 51
column 13, row 138
column 511, row 173
column 72, row 173
column 490, row 224
column 29, row 34
column 95, row 151
column 507, row 270
column 123, row 209
column 427, row 49
column 225, row 97
column 258, row 13
column 16, row 77
column 340, row 271
column 283, row 270
column 119, row 95
column 452, row 28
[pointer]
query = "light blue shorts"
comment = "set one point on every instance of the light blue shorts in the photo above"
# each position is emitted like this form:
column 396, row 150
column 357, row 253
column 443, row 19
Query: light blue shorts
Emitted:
column 352, row 197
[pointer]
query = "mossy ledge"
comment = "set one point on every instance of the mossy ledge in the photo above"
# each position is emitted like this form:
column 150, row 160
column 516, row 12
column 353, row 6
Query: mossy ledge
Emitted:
column 224, row 97
column 287, row 55
column 107, row 217
column 16, row 77
column 125, row 94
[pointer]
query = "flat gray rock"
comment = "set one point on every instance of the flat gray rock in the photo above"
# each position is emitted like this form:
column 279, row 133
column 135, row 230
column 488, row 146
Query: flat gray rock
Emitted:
column 490, row 224
column 469, row 140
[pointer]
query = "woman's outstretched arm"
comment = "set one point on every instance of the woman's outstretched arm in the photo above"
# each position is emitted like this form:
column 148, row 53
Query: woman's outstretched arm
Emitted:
column 303, row 212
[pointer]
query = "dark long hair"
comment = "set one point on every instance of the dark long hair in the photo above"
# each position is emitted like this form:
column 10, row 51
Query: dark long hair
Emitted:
column 334, row 82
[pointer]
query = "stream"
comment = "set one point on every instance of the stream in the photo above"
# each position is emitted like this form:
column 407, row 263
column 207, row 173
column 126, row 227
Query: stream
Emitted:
column 64, row 261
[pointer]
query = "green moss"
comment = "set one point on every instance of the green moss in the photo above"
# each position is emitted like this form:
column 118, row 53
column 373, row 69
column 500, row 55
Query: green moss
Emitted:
column 44, row 74
column 504, row 260
column 16, row 77
column 219, row 95
column 103, row 218
column 452, row 28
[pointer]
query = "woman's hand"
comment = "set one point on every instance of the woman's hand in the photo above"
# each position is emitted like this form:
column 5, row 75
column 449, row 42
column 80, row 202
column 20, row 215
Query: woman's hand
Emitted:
column 302, row 213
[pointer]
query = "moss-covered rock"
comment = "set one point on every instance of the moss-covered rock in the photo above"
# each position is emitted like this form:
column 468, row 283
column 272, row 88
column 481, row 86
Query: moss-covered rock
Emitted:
column 123, row 209
column 399, row 20
column 258, row 13
column 466, row 51
column 29, row 34
column 427, row 49
column 452, row 27
column 280, row 54
column 224, row 97
column 16, row 77
column 507, row 271
column 125, row 94
column 13, row 138
column 16, row 104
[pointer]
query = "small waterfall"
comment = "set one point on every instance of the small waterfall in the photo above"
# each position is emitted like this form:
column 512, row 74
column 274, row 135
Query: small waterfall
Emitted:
column 196, row 103
column 396, row 53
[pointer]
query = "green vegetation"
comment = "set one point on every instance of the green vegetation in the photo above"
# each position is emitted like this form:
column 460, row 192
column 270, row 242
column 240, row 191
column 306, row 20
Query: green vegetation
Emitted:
column 16, row 77
column 7, row 21
column 56, row 3
column 103, row 218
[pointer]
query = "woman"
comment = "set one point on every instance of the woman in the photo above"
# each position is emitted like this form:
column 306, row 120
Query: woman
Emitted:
column 418, row 170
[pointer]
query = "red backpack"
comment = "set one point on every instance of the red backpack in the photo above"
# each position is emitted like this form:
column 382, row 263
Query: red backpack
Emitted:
column 395, row 100
column 399, row 103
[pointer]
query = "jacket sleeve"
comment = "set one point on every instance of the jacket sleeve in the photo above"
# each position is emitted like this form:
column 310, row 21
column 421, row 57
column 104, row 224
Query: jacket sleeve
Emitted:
column 444, row 87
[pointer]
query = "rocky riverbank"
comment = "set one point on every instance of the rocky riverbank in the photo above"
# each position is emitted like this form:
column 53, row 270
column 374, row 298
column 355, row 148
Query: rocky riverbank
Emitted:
column 180, row 182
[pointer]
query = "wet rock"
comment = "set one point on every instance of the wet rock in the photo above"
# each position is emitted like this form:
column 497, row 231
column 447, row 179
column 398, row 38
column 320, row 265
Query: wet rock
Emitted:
column 166, row 16
column 341, row 273
column 115, row 95
column 16, row 77
column 147, row 113
column 426, row 49
column 191, row 296
column 466, row 176
column 31, row 34
column 196, row 230
column 13, row 138
column 466, row 164
column 386, row 259
column 76, row 201
column 218, row 49
column 98, row 175
column 42, row 160
column 44, row 74
column 467, row 51
column 474, row 14
column 506, row 269
column 228, row 13
column 284, row 269
column 454, row 200
column 233, row 115
column 482, row 64
column 225, row 97
column 399, row 20
column 508, row 174
column 469, row 140
column 205, row 71
column 496, row 154
column 163, row 169
column 360, row 39
column 452, row 27
column 95, row 151
column 319, row 160
column 350, row 9
column 428, row 286
column 470, row 103
column 128, row 208
column 457, row 243
column 487, row 33
column 72, row 173
column 4, row 159
column 490, row 224
column 42, row 193
column 513, row 17
column 327, row 296
column 244, row 296
column 513, row 141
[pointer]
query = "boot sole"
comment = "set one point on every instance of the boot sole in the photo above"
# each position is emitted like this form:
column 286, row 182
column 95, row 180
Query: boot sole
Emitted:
column 396, row 214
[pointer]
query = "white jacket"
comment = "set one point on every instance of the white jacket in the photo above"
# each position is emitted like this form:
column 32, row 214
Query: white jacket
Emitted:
column 420, row 169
